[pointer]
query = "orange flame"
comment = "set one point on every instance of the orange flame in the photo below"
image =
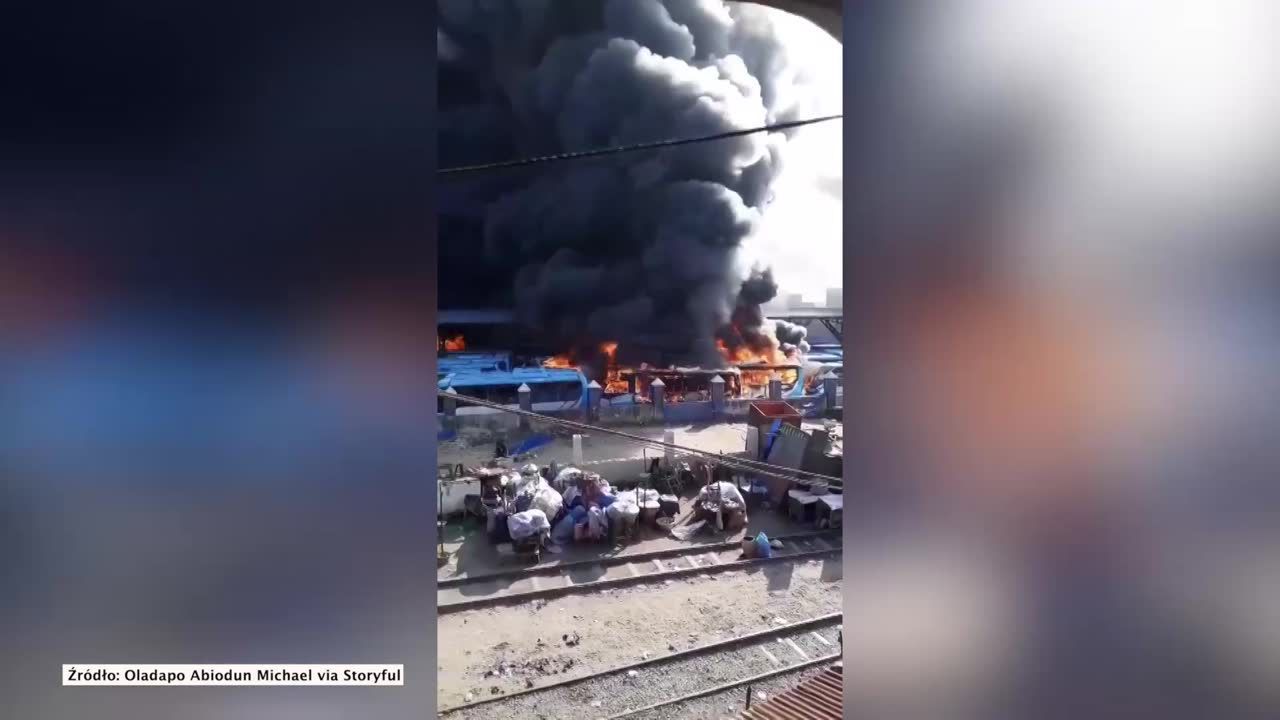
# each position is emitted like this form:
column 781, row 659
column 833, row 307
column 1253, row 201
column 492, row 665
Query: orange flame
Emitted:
column 745, row 355
column 614, row 383
column 559, row 361
column 457, row 343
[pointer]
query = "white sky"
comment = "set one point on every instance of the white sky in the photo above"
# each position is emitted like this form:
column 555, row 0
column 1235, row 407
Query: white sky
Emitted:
column 801, row 236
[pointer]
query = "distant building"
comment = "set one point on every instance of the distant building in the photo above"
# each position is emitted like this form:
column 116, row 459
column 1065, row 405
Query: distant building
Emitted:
column 793, row 300
column 835, row 297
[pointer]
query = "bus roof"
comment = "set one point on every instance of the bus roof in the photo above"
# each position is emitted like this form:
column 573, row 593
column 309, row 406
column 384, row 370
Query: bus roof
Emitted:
column 516, row 376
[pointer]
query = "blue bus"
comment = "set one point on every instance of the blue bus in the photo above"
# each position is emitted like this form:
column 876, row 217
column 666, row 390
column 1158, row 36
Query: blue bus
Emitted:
column 491, row 377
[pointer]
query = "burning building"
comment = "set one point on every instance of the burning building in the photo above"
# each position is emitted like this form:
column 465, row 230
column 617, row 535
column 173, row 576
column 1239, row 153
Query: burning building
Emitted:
column 640, row 253
column 748, row 378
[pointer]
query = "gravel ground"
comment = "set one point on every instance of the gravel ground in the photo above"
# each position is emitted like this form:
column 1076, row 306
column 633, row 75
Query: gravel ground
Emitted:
column 728, row 705
column 645, row 686
column 527, row 643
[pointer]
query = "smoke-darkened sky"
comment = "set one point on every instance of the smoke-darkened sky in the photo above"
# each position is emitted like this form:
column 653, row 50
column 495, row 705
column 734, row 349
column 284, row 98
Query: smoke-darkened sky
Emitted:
column 649, row 249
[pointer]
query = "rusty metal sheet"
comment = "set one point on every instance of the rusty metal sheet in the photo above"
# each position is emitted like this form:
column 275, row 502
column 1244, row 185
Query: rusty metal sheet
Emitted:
column 818, row 698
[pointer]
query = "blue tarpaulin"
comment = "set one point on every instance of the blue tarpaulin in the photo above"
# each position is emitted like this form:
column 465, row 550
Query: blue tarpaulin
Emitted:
column 531, row 444
column 773, row 435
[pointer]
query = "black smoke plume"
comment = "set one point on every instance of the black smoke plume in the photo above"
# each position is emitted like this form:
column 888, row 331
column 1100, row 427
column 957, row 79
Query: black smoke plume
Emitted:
column 641, row 248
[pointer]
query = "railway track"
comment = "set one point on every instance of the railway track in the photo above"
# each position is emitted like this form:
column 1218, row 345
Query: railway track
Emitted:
column 516, row 586
column 648, row 686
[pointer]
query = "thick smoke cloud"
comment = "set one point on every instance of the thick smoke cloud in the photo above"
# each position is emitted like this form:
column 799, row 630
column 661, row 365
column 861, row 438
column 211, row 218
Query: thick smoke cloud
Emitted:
column 642, row 249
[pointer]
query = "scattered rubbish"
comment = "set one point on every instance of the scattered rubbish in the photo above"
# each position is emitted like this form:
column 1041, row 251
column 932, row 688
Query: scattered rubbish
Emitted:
column 571, row 639
column 528, row 683
column 644, row 656
column 760, row 695
column 632, row 673
column 779, row 621
column 495, row 690
column 468, row 697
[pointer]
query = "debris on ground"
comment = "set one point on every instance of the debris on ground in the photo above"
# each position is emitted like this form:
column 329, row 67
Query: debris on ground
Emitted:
column 571, row 639
column 536, row 667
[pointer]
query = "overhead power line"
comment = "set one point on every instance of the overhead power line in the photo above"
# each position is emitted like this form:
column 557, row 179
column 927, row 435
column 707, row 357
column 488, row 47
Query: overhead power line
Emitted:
column 753, row 466
column 635, row 148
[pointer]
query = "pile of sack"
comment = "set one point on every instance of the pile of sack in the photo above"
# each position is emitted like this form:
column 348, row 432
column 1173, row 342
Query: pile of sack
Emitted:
column 587, row 500
column 572, row 506
column 537, row 504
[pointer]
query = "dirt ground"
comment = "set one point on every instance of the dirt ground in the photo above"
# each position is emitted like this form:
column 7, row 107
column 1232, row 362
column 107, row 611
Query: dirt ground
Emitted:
column 503, row 647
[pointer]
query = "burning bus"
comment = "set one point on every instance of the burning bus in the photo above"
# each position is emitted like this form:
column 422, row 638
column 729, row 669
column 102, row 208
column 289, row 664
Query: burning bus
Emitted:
column 744, row 376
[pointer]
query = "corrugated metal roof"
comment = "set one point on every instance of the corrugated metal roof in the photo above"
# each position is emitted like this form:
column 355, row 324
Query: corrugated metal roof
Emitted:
column 818, row 698
column 456, row 362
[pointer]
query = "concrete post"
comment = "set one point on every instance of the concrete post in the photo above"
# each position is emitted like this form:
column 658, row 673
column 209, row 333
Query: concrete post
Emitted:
column 450, row 398
column 577, row 450
column 717, row 396
column 659, row 390
column 594, row 393
column 669, row 437
column 830, row 388
column 775, row 388
column 525, row 393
